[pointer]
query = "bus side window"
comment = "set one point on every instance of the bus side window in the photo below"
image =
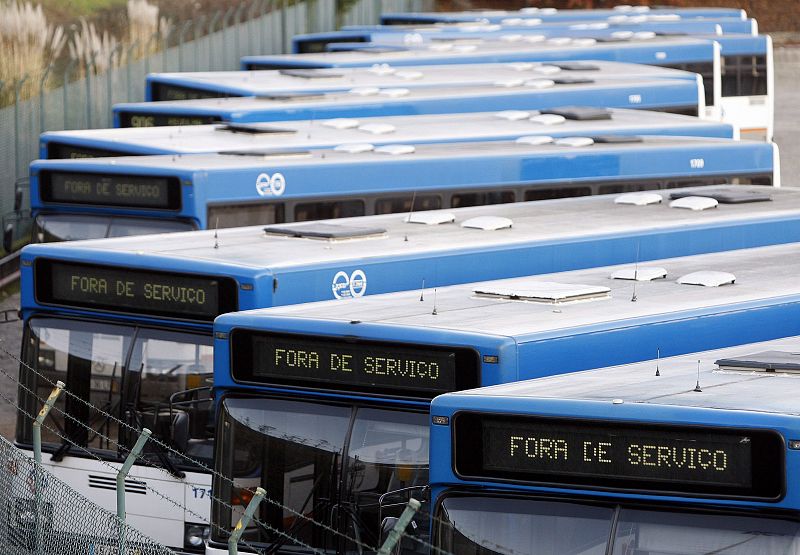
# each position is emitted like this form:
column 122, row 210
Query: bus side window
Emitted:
column 327, row 210
column 391, row 205
column 481, row 199
column 239, row 215
column 562, row 192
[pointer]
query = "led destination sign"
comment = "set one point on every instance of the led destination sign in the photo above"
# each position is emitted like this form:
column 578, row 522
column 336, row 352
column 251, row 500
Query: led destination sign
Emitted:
column 135, row 119
column 686, row 460
column 419, row 371
column 135, row 191
column 126, row 290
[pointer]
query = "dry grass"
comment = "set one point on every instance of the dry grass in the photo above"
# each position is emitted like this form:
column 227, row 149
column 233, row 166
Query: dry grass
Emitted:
column 93, row 51
column 29, row 44
column 144, row 26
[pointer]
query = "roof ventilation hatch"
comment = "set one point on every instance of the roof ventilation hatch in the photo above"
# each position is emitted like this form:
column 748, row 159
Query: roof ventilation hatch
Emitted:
column 432, row 217
column 642, row 273
column 488, row 223
column 638, row 199
column 548, row 292
column 694, row 203
column 707, row 278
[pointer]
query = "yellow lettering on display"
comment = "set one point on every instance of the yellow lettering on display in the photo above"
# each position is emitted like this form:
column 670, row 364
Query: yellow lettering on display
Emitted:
column 97, row 286
column 691, row 458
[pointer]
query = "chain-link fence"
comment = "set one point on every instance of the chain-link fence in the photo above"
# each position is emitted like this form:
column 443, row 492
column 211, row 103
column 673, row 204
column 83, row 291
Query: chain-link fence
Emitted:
column 41, row 515
column 86, row 92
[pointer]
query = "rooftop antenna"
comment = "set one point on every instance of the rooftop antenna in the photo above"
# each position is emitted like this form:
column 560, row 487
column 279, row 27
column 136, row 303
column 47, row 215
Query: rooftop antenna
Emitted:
column 434, row 313
column 697, row 385
column 422, row 291
column 635, row 274
column 658, row 360
column 216, row 234
column 411, row 211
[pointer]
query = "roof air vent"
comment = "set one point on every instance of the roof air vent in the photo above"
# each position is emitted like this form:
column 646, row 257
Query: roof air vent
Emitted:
column 638, row 199
column 381, row 69
column 512, row 21
column 574, row 141
column 585, row 41
column 488, row 223
column 548, row 119
column 732, row 195
column 547, row 69
column 534, row 140
column 544, row 292
column 540, row 83
column 254, row 128
column 617, row 18
column 577, row 66
column 364, row 91
column 440, row 47
column 707, row 278
column 310, row 73
column 340, row 123
column 533, row 39
column 694, row 203
column 520, row 66
column 644, row 35
column 377, row 128
column 409, row 75
column 531, row 22
column 548, row 11
column 617, row 139
column 395, row 93
column 622, row 34
column 465, row 48
column 512, row 115
column 395, row 150
column 580, row 113
column 355, row 148
column 530, row 9
column 511, row 38
column 559, row 41
column 766, row 361
column 642, row 273
column 573, row 81
column 279, row 96
column 319, row 230
column 432, row 217
column 509, row 83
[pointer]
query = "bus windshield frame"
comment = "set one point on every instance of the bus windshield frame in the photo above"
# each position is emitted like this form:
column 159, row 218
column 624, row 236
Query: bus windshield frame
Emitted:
column 594, row 526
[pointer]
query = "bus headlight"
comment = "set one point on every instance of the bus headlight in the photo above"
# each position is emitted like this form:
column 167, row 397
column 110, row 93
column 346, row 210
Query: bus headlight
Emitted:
column 195, row 535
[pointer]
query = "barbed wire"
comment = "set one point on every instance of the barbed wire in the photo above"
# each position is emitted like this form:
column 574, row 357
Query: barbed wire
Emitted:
column 146, row 462
column 186, row 457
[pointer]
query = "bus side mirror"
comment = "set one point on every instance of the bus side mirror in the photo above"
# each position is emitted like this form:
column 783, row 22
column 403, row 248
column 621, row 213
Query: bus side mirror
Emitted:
column 8, row 238
column 17, row 199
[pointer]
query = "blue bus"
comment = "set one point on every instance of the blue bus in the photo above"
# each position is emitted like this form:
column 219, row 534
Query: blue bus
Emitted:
column 689, row 454
column 697, row 55
column 405, row 35
column 216, row 84
column 553, row 15
column 746, row 96
column 308, row 134
column 110, row 197
column 536, row 92
column 138, row 310
column 325, row 405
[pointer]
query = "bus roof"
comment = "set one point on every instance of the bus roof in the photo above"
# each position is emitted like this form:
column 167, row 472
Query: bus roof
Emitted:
column 763, row 273
column 250, row 255
column 658, row 50
column 553, row 14
column 255, row 83
column 376, row 130
column 422, row 167
column 535, row 93
column 722, row 388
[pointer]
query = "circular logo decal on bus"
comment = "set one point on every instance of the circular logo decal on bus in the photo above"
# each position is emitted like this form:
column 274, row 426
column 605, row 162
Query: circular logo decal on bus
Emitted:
column 267, row 185
column 346, row 286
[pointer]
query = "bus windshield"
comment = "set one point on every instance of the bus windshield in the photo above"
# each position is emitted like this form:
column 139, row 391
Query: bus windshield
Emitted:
column 523, row 526
column 328, row 463
column 51, row 228
column 144, row 377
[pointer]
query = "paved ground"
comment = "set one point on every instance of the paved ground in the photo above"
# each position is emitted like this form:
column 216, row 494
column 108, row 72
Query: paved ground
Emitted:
column 787, row 135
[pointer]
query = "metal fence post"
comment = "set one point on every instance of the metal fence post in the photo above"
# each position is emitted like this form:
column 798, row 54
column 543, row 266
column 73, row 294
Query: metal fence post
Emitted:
column 252, row 22
column 109, row 92
column 123, row 472
column 237, row 21
column 212, row 24
column 396, row 533
column 17, row 96
column 37, row 457
column 284, row 30
column 181, row 39
column 42, row 83
column 233, row 541
column 89, row 64
column 128, row 65
column 65, row 83
column 224, row 35
column 198, row 25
